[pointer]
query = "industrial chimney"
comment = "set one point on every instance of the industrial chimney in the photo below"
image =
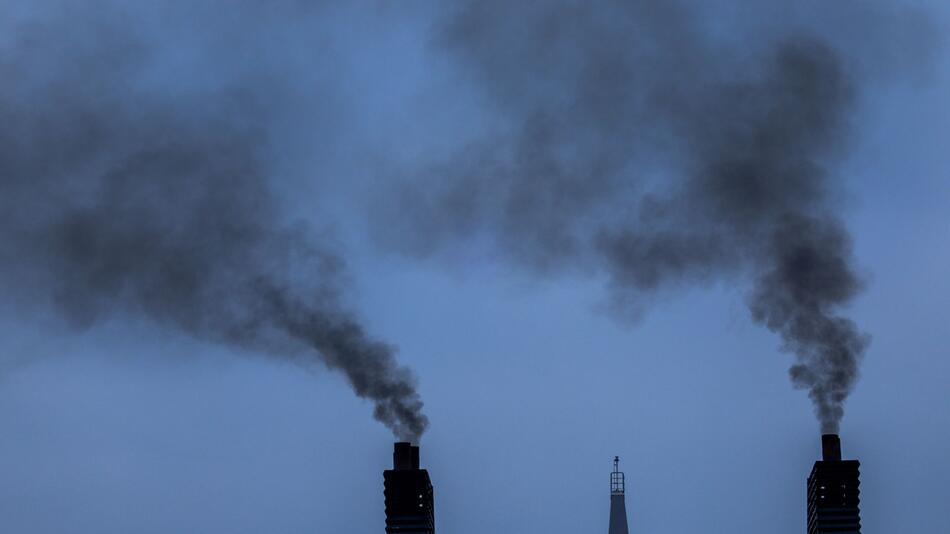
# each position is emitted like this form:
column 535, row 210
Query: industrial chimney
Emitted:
column 833, row 491
column 408, row 493
column 618, row 508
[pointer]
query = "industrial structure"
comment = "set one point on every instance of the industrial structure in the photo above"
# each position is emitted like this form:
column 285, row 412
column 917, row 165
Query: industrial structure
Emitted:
column 833, row 492
column 618, row 508
column 408, row 493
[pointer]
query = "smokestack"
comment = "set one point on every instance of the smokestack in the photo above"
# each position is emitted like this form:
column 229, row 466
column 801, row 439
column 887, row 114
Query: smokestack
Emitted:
column 405, row 456
column 618, row 506
column 831, row 448
column 834, row 491
column 408, row 493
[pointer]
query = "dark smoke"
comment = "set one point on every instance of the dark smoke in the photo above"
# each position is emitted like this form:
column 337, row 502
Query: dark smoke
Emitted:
column 120, row 196
column 657, row 144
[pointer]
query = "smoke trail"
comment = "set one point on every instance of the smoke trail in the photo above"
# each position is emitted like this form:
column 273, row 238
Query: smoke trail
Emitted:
column 797, row 296
column 122, row 196
column 659, row 145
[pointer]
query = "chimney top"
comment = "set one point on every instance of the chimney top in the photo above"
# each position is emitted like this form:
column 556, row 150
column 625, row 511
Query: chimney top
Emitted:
column 831, row 448
column 405, row 456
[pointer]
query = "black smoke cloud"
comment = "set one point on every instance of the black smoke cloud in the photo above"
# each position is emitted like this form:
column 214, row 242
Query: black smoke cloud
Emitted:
column 123, row 195
column 660, row 144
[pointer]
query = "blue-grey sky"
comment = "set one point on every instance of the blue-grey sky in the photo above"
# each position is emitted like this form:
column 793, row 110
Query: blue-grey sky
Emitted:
column 531, row 380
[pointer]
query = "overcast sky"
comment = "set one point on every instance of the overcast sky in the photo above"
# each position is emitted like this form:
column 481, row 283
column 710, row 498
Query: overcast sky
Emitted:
column 532, row 382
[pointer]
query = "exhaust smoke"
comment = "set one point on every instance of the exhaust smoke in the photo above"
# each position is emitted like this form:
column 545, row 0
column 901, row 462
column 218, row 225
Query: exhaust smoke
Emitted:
column 641, row 142
column 124, row 196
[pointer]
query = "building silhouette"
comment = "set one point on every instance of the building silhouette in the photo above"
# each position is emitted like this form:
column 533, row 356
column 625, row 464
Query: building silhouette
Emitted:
column 618, row 508
column 408, row 493
column 833, row 492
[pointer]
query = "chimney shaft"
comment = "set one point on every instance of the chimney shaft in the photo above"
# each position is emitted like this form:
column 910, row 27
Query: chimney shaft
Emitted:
column 830, row 448
column 408, row 493
column 834, row 503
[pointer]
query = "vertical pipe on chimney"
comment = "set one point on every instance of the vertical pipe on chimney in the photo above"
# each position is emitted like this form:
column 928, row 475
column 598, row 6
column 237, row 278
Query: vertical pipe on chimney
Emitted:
column 831, row 448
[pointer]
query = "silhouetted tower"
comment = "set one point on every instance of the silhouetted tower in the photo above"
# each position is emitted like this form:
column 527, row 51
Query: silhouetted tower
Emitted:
column 618, row 509
column 408, row 492
column 833, row 491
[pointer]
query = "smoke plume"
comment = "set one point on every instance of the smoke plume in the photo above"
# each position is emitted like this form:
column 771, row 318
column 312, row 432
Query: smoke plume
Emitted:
column 123, row 196
column 660, row 146
column 655, row 144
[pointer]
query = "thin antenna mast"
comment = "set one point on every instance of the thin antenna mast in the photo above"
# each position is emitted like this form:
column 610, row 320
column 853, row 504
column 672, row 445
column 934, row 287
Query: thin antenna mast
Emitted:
column 616, row 478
